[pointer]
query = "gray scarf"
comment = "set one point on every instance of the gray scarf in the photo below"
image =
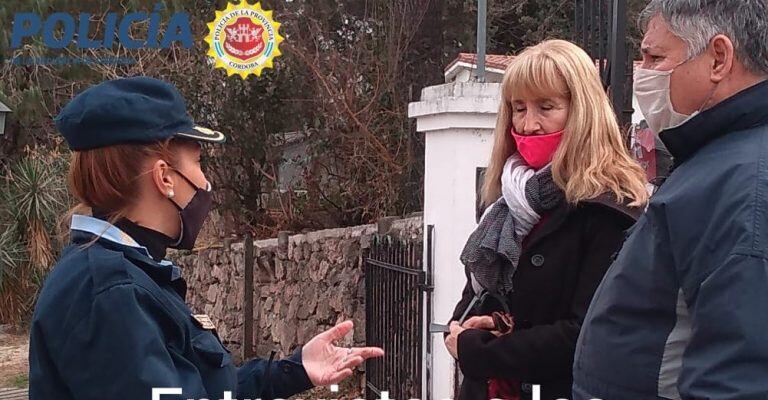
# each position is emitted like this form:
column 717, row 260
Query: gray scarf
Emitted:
column 493, row 250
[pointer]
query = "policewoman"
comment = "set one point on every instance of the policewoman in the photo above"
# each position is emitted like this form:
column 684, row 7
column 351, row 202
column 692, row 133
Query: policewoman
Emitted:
column 111, row 321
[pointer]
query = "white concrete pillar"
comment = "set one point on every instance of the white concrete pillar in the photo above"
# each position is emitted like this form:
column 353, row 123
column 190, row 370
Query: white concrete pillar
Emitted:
column 458, row 120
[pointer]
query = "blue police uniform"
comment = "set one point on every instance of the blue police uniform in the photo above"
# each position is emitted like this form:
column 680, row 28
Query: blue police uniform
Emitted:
column 111, row 321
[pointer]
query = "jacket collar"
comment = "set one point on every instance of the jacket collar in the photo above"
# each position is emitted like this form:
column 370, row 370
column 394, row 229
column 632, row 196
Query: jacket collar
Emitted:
column 551, row 225
column 560, row 214
column 744, row 110
column 84, row 228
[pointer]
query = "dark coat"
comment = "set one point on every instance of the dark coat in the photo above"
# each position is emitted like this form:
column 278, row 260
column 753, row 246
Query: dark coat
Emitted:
column 111, row 323
column 682, row 311
column 562, row 263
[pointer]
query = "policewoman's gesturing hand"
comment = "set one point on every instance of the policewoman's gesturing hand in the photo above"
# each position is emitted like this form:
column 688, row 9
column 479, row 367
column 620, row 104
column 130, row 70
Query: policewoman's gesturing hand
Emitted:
column 327, row 364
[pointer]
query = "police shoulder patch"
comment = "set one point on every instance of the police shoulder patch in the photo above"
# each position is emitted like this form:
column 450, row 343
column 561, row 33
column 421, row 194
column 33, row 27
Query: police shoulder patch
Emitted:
column 204, row 321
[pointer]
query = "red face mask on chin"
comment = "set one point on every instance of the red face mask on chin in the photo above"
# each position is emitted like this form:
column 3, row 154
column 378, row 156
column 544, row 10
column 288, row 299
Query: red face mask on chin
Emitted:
column 537, row 150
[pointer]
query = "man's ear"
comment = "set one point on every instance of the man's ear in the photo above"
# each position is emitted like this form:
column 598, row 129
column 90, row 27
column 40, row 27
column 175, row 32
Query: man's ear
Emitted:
column 162, row 178
column 723, row 57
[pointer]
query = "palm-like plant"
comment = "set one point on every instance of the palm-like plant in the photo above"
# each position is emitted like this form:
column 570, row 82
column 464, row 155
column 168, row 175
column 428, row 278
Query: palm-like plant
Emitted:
column 12, row 254
column 37, row 197
column 15, row 285
column 34, row 197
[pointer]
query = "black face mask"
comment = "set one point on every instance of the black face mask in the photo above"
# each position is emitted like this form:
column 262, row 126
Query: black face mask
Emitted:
column 193, row 215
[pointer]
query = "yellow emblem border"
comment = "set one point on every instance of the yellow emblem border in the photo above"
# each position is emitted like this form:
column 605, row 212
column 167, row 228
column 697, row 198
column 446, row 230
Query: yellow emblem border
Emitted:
column 254, row 67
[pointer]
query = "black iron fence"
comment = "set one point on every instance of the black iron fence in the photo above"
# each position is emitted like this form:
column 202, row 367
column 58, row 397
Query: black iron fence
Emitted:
column 592, row 32
column 601, row 30
column 394, row 311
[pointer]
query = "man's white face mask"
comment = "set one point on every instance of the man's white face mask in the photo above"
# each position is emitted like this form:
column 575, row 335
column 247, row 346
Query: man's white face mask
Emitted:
column 652, row 89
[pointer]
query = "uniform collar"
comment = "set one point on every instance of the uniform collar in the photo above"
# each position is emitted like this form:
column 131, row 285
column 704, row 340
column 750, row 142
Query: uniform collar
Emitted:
column 84, row 228
column 744, row 110
column 155, row 242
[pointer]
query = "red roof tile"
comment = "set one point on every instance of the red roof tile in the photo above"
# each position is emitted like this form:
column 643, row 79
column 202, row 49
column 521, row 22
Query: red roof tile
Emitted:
column 491, row 60
column 497, row 61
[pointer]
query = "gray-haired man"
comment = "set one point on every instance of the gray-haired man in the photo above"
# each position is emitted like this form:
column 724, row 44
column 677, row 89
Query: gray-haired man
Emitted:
column 683, row 312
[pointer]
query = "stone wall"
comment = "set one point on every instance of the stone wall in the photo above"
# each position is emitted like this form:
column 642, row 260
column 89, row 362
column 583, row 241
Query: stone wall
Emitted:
column 303, row 284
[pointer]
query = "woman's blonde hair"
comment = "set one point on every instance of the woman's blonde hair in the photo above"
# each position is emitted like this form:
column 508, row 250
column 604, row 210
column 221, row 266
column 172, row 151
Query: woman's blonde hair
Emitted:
column 592, row 158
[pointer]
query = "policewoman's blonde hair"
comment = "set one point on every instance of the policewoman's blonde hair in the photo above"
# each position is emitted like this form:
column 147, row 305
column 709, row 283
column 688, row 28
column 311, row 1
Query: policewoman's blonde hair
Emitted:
column 592, row 158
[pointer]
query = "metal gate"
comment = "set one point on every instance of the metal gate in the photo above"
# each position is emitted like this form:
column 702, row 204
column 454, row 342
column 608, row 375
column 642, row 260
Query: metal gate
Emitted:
column 601, row 30
column 394, row 311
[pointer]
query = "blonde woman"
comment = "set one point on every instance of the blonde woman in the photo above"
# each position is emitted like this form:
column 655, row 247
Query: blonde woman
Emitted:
column 560, row 190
